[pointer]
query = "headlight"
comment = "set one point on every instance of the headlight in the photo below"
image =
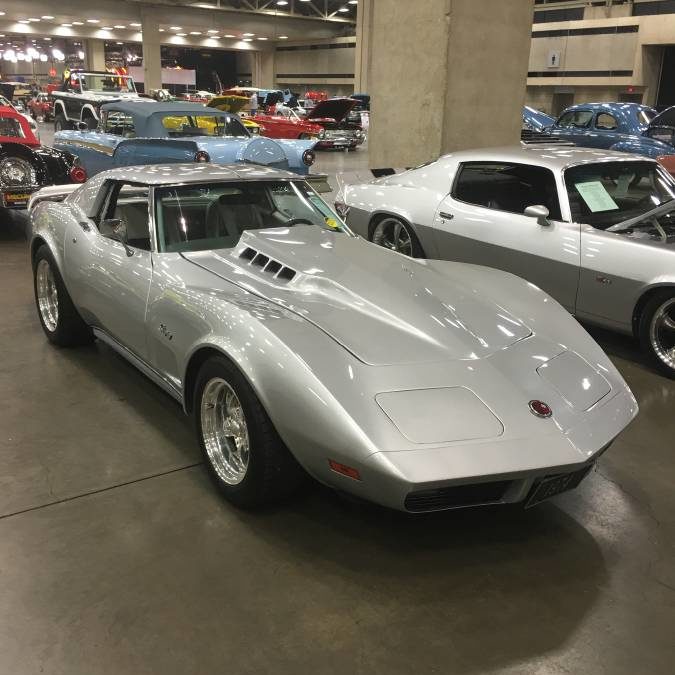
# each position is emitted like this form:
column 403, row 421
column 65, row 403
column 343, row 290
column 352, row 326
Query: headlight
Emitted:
column 322, row 134
column 202, row 156
column 16, row 171
column 254, row 130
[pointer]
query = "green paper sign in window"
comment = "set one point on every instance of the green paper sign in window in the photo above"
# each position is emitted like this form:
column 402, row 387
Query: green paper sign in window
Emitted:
column 596, row 197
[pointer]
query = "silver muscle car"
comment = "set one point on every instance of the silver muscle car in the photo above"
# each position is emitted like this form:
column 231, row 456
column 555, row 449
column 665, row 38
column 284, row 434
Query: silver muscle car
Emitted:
column 420, row 385
column 594, row 228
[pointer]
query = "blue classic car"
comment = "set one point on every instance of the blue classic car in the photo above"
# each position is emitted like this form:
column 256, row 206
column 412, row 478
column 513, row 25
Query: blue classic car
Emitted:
column 628, row 127
column 146, row 132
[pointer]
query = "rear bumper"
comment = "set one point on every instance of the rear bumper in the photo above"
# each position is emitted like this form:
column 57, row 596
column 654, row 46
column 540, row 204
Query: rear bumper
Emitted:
column 483, row 473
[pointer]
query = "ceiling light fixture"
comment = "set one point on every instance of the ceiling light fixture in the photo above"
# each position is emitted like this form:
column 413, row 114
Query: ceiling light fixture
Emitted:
column 77, row 23
column 93, row 21
column 23, row 21
column 247, row 40
column 283, row 37
column 229, row 35
column 211, row 30
column 181, row 34
column 281, row 3
column 261, row 38
column 343, row 9
column 47, row 17
column 136, row 25
column 175, row 28
column 195, row 32
column 120, row 26
column 66, row 25
column 106, row 27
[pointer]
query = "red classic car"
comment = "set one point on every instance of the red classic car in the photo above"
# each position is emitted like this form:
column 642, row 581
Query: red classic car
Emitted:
column 286, row 123
column 42, row 107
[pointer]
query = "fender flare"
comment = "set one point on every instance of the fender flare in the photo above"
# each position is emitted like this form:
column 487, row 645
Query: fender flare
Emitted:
column 60, row 108
column 88, row 107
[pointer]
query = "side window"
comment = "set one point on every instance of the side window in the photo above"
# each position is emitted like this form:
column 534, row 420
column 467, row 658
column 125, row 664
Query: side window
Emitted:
column 507, row 187
column 119, row 124
column 606, row 122
column 128, row 204
column 575, row 119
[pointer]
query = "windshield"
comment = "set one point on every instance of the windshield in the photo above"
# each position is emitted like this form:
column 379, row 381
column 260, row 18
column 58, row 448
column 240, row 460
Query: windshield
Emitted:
column 214, row 216
column 112, row 82
column 203, row 125
column 607, row 193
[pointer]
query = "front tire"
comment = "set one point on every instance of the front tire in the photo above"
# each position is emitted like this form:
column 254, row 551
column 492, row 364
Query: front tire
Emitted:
column 396, row 235
column 657, row 331
column 245, row 456
column 61, row 123
column 60, row 321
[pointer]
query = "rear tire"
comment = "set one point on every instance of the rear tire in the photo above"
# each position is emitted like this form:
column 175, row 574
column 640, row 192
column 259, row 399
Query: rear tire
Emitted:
column 61, row 123
column 60, row 321
column 657, row 331
column 244, row 455
column 396, row 235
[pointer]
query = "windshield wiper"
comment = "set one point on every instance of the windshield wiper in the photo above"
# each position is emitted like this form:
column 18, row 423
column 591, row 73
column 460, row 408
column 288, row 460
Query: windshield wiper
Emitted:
column 631, row 222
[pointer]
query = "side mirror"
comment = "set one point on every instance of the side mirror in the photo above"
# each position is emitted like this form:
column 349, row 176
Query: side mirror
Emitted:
column 540, row 212
column 116, row 229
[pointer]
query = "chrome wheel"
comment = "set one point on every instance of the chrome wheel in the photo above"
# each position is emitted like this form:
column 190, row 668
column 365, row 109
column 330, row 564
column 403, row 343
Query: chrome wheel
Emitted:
column 393, row 234
column 224, row 431
column 47, row 295
column 662, row 333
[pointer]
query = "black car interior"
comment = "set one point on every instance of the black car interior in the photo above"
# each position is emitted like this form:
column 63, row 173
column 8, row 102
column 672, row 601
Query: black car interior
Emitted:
column 507, row 187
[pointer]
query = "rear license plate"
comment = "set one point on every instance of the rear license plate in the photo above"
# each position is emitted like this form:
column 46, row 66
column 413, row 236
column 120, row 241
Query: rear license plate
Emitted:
column 555, row 485
column 16, row 198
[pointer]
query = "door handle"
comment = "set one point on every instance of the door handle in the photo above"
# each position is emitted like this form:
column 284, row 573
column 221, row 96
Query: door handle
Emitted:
column 445, row 216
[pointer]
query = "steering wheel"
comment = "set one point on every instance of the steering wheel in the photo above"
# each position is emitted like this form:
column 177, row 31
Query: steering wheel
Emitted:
column 298, row 221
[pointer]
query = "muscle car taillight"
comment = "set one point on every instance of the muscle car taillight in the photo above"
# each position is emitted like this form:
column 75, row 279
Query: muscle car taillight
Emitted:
column 78, row 174
column 202, row 156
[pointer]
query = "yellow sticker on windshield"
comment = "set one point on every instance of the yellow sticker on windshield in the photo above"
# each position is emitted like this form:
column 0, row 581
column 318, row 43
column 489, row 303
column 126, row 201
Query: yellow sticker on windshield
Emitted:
column 332, row 223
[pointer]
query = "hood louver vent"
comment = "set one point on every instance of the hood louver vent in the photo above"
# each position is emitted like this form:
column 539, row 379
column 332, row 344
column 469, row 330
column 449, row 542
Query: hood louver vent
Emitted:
column 272, row 267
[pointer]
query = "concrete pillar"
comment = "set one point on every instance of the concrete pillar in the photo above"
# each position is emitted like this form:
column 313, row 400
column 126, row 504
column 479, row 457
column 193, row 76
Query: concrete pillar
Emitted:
column 363, row 57
column 445, row 75
column 263, row 70
column 152, row 52
column 94, row 55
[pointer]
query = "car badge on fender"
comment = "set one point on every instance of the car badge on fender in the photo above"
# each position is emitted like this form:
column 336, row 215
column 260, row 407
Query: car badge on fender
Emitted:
column 540, row 409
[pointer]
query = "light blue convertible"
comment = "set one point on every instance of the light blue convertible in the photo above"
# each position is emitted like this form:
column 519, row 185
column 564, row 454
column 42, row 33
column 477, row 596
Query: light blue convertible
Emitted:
column 140, row 132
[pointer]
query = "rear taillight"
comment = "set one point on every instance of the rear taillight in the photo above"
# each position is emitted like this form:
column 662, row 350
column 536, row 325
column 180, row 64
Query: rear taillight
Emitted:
column 202, row 156
column 78, row 174
column 308, row 157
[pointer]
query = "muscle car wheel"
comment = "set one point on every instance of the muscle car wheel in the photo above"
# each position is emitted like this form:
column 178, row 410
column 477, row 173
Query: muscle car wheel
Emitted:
column 657, row 331
column 60, row 321
column 394, row 234
column 243, row 451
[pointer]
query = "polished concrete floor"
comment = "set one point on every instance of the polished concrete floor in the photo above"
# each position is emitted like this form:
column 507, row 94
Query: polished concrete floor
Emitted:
column 118, row 557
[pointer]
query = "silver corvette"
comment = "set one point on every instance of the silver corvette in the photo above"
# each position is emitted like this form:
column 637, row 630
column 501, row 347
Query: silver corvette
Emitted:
column 595, row 229
column 420, row 385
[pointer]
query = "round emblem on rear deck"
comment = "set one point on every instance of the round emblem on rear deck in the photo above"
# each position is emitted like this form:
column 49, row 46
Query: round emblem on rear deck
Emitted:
column 540, row 409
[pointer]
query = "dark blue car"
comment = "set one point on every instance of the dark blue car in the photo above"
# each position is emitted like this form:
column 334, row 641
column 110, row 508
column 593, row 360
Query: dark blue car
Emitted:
column 627, row 127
